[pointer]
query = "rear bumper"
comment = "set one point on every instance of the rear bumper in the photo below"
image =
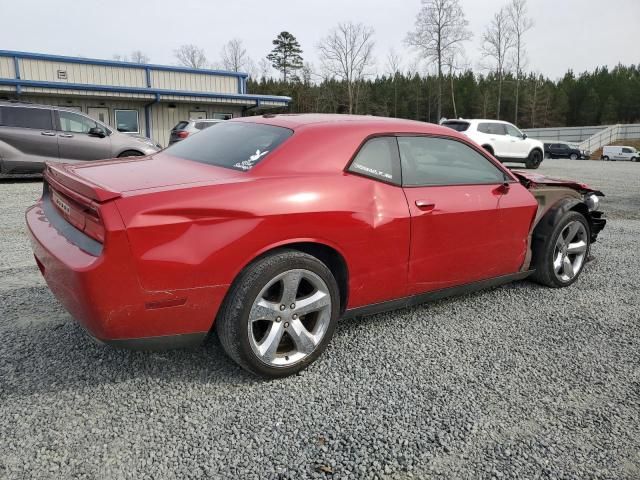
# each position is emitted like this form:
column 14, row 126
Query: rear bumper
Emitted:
column 104, row 295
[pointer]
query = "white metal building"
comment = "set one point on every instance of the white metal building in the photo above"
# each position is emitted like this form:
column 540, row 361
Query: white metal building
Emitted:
column 132, row 97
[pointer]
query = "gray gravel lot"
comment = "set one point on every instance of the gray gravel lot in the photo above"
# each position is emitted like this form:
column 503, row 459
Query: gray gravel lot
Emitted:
column 517, row 382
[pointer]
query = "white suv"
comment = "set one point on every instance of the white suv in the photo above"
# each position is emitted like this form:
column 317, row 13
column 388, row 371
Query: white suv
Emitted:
column 502, row 140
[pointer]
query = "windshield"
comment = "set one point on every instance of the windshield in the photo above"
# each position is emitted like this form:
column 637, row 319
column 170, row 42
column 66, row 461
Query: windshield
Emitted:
column 456, row 125
column 237, row 145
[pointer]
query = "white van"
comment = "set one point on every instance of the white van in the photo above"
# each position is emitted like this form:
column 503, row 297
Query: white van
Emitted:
column 621, row 152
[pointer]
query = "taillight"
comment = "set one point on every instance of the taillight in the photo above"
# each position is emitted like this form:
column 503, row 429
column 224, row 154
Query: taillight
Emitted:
column 93, row 226
column 84, row 218
column 182, row 134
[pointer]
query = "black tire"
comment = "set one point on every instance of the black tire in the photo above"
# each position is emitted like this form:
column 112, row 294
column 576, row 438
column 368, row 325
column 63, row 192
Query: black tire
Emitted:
column 606, row 159
column 534, row 160
column 544, row 248
column 233, row 318
column 131, row 153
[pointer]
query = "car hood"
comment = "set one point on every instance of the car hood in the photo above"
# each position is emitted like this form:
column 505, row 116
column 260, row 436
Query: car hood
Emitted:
column 106, row 179
column 533, row 180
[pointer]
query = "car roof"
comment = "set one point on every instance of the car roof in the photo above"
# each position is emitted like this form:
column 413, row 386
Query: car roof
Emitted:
column 477, row 120
column 9, row 103
column 357, row 122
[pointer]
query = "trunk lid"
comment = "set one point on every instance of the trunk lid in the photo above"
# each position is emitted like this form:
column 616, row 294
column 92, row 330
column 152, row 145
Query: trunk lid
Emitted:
column 106, row 180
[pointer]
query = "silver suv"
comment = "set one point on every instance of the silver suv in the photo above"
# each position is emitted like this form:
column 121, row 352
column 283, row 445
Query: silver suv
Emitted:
column 185, row 128
column 33, row 134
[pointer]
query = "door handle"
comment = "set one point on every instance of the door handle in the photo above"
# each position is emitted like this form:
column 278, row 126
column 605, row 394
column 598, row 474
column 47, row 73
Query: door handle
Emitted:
column 48, row 134
column 425, row 205
column 66, row 135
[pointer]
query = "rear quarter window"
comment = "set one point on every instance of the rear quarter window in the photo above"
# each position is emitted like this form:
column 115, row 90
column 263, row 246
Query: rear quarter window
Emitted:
column 236, row 145
column 25, row 117
column 180, row 125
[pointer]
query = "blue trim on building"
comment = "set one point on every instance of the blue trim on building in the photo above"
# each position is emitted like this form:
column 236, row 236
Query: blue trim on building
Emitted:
column 115, row 63
column 141, row 90
column 147, row 72
column 147, row 115
column 16, row 69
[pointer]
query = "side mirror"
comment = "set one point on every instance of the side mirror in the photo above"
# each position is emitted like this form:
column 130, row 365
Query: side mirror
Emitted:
column 97, row 132
column 524, row 136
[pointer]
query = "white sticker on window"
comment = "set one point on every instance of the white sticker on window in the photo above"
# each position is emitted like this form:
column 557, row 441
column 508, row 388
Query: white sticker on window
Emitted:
column 248, row 164
column 373, row 171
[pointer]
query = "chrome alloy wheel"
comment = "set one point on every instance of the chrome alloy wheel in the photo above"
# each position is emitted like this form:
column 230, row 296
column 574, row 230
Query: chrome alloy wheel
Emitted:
column 289, row 318
column 570, row 251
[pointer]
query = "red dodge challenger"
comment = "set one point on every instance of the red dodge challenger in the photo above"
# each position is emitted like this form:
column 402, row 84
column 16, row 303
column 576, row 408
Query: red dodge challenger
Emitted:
column 269, row 229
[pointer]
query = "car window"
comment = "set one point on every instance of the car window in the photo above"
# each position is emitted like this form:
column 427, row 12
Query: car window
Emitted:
column 203, row 125
column 74, row 123
column 513, row 131
column 26, row 117
column 457, row 125
column 180, row 125
column 378, row 159
column 627, row 150
column 237, row 145
column 428, row 161
column 492, row 128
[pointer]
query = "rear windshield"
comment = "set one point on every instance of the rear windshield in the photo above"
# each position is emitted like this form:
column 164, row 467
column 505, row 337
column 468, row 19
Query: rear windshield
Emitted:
column 203, row 125
column 181, row 125
column 459, row 126
column 236, row 145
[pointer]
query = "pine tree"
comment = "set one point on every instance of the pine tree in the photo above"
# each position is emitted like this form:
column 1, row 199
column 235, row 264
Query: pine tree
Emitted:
column 286, row 55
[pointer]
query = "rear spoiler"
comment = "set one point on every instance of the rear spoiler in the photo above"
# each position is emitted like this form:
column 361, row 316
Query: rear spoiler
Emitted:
column 64, row 175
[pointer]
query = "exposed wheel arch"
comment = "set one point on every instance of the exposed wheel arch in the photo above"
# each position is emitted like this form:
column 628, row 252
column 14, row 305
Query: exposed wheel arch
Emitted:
column 489, row 149
column 328, row 255
column 131, row 153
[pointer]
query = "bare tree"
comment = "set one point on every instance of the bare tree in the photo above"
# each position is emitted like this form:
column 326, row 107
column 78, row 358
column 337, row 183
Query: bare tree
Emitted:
column 264, row 66
column 234, row 56
column 497, row 41
column 455, row 62
column 440, row 28
column 394, row 65
column 347, row 53
column 138, row 56
column 191, row 56
column 520, row 25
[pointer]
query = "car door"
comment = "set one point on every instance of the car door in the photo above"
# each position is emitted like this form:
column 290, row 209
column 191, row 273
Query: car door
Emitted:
column 497, row 137
column 516, row 143
column 75, row 143
column 27, row 138
column 459, row 234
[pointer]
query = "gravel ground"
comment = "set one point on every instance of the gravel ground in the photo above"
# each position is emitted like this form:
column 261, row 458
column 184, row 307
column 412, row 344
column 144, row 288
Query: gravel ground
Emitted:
column 517, row 382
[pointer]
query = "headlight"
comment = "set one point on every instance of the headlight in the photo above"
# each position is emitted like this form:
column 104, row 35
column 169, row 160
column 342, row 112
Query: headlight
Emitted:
column 592, row 201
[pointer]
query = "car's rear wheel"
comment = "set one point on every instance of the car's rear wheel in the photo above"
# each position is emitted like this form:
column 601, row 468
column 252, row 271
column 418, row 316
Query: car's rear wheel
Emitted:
column 559, row 260
column 280, row 314
column 573, row 156
column 131, row 153
column 605, row 158
column 534, row 160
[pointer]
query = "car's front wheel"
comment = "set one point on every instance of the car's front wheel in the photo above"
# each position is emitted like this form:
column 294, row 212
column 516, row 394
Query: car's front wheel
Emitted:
column 573, row 156
column 534, row 160
column 560, row 258
column 280, row 314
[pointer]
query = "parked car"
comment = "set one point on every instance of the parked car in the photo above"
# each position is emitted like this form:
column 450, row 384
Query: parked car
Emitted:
column 565, row 150
column 269, row 229
column 184, row 128
column 619, row 152
column 502, row 139
column 31, row 135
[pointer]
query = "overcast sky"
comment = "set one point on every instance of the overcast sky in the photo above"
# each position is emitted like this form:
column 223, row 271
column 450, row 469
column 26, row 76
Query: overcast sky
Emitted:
column 577, row 34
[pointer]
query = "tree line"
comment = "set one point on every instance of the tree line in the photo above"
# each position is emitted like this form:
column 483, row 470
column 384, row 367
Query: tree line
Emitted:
column 436, row 81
